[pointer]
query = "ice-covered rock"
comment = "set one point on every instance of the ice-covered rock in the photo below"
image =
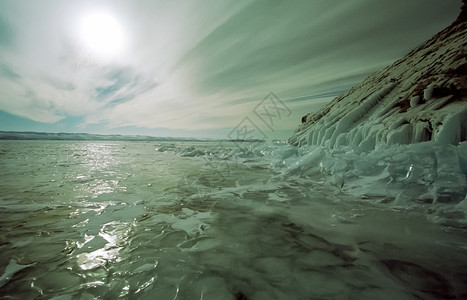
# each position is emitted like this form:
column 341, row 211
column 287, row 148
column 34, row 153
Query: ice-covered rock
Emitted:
column 421, row 97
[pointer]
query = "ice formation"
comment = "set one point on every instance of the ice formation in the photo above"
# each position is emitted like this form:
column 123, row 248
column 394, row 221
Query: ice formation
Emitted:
column 399, row 135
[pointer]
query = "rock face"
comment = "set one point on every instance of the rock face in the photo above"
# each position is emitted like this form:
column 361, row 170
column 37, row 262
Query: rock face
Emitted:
column 463, row 15
column 421, row 97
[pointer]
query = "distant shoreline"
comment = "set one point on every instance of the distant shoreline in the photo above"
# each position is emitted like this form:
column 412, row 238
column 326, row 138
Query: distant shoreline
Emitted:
column 63, row 136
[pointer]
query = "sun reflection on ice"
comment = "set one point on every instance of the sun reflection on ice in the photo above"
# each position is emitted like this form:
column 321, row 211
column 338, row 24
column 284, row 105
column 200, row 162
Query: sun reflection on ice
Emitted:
column 109, row 242
column 97, row 173
column 99, row 157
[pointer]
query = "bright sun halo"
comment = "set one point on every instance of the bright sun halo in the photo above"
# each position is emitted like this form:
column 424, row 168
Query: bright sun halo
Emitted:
column 102, row 34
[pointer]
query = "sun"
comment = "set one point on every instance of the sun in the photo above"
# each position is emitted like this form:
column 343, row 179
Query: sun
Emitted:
column 101, row 34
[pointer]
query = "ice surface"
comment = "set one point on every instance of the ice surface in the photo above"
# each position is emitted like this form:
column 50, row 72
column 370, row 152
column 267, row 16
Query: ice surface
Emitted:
column 10, row 270
column 425, row 172
column 269, row 221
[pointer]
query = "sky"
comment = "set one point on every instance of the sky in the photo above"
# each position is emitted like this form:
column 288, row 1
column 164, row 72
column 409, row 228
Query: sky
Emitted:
column 199, row 68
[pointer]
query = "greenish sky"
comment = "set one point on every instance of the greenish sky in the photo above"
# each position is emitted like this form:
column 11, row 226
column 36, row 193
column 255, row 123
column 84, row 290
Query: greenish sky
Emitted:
column 195, row 68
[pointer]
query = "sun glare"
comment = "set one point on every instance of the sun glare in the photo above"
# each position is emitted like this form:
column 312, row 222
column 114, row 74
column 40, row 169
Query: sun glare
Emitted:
column 102, row 34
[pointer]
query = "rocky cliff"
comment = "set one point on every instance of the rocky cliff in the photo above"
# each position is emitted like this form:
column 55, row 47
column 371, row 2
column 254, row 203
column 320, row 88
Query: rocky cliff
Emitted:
column 421, row 97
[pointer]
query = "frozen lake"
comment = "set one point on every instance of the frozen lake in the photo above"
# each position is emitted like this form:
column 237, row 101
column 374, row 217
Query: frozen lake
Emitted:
column 205, row 220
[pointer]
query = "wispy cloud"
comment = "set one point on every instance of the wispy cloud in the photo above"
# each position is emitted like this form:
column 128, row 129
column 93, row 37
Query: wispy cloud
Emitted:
column 200, row 64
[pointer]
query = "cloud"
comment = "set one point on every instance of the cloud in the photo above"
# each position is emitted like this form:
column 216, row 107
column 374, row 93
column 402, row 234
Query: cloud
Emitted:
column 6, row 33
column 200, row 64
